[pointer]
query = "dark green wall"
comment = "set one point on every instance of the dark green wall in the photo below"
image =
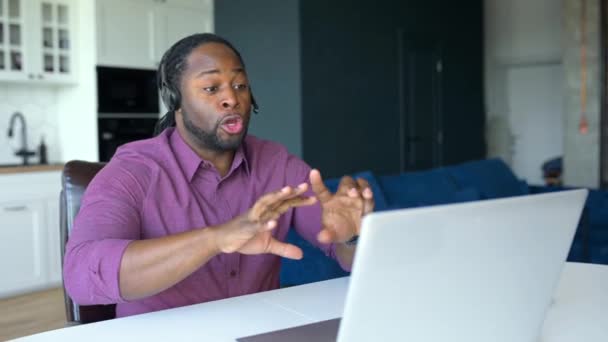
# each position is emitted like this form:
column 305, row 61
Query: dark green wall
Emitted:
column 350, row 83
column 326, row 74
column 348, row 87
column 267, row 33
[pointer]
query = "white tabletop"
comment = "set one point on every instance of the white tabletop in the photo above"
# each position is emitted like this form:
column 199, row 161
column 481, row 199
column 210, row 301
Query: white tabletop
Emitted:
column 578, row 313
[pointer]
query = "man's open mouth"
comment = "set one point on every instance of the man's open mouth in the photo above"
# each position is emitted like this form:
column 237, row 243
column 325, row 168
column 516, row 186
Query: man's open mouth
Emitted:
column 232, row 124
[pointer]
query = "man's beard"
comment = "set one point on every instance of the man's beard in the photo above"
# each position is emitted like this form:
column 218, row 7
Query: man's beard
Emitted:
column 211, row 140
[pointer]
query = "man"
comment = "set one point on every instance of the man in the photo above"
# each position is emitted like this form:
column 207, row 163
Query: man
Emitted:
column 200, row 211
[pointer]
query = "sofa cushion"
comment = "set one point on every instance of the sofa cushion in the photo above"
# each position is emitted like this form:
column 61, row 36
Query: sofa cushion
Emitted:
column 491, row 177
column 465, row 195
column 414, row 189
column 314, row 266
column 379, row 198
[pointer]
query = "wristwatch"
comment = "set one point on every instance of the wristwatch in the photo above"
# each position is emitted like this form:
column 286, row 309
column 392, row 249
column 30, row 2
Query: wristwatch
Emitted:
column 352, row 241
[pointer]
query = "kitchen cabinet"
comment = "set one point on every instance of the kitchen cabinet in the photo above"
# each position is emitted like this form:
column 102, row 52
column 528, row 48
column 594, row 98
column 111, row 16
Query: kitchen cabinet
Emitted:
column 51, row 202
column 23, row 236
column 124, row 33
column 175, row 22
column 136, row 33
column 36, row 41
column 29, row 232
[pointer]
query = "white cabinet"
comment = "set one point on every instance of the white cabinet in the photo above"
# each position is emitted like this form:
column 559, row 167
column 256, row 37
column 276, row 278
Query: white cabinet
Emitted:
column 12, row 40
column 124, row 33
column 36, row 41
column 24, row 238
column 30, row 256
column 136, row 33
column 53, row 238
column 175, row 22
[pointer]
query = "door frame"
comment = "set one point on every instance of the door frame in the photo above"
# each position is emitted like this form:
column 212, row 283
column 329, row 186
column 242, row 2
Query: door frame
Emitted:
column 406, row 41
column 603, row 94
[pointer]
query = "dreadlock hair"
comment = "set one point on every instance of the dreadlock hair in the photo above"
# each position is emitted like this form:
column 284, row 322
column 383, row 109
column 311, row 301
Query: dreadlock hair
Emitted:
column 170, row 71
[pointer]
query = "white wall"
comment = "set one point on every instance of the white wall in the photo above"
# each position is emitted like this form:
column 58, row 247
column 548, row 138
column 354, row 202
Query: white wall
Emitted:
column 64, row 115
column 524, row 83
column 582, row 151
column 77, row 106
column 39, row 106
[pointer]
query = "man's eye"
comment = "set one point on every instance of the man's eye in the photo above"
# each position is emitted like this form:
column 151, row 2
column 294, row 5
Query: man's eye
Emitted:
column 240, row 87
column 210, row 89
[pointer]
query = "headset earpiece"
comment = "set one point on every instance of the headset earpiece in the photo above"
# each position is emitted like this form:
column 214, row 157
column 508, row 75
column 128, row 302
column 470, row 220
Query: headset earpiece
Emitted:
column 254, row 104
column 170, row 96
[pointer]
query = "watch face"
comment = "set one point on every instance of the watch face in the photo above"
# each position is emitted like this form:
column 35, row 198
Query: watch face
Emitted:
column 353, row 240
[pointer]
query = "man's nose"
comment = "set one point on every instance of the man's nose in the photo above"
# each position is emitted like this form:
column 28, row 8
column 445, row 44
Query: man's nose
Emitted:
column 229, row 100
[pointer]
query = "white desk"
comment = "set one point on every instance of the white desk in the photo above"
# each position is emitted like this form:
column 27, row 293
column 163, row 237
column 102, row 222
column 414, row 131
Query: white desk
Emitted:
column 579, row 313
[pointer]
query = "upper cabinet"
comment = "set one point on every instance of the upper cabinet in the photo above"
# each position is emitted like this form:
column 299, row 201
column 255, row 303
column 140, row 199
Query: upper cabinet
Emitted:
column 12, row 40
column 36, row 41
column 124, row 33
column 136, row 33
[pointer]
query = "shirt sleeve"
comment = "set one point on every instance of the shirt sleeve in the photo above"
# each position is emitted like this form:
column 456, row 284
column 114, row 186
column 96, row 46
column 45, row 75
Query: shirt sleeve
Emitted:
column 307, row 220
column 108, row 220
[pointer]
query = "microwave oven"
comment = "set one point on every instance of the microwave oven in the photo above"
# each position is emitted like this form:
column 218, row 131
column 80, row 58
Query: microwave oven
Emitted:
column 126, row 92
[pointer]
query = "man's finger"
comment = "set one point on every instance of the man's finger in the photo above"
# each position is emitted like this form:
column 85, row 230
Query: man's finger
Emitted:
column 347, row 184
column 363, row 184
column 318, row 187
column 284, row 250
column 272, row 200
column 266, row 201
column 295, row 202
column 276, row 212
column 326, row 236
column 296, row 193
column 368, row 196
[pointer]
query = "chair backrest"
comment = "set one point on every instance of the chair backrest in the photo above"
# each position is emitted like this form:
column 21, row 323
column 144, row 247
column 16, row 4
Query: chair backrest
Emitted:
column 74, row 180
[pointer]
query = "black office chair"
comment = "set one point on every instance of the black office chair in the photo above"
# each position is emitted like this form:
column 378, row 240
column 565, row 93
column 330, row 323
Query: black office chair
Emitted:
column 74, row 180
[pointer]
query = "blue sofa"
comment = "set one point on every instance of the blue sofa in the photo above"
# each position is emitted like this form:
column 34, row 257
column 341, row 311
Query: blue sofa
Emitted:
column 477, row 180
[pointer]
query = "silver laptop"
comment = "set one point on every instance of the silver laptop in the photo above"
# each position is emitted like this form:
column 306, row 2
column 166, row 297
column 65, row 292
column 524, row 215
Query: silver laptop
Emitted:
column 475, row 272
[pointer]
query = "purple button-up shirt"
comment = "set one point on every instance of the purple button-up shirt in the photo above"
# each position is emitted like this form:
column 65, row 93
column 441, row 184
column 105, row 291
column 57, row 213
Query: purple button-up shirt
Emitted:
column 160, row 186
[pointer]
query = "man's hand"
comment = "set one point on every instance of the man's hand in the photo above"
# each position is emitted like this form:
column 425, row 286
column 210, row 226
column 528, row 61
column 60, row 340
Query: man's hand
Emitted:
column 250, row 233
column 342, row 211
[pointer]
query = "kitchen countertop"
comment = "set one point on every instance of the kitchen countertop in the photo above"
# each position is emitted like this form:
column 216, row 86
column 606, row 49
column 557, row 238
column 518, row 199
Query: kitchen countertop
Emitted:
column 29, row 168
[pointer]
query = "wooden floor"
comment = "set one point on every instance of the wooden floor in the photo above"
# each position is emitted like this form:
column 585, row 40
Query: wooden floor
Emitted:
column 31, row 313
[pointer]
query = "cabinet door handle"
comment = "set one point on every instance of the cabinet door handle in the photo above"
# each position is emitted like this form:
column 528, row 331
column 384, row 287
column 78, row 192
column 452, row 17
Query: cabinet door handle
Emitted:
column 31, row 76
column 16, row 208
column 40, row 76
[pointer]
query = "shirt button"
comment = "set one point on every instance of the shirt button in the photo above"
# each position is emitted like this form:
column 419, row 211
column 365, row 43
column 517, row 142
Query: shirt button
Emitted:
column 233, row 273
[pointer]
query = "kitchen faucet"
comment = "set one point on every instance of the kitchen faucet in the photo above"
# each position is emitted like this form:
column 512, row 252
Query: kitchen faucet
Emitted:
column 23, row 152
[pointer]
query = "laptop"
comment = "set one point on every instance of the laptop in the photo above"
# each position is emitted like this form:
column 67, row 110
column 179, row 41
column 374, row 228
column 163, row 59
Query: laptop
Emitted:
column 475, row 272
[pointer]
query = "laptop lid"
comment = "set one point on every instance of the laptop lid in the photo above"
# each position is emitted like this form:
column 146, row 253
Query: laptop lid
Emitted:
column 475, row 272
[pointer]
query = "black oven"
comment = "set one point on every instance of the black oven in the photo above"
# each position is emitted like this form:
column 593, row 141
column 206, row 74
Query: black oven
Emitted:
column 128, row 107
column 127, row 91
column 114, row 132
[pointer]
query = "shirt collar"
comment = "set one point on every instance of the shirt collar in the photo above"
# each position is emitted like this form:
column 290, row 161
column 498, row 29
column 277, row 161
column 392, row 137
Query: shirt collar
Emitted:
column 190, row 162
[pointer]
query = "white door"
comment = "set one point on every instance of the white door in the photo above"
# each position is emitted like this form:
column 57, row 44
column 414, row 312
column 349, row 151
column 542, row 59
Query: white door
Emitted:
column 536, row 118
